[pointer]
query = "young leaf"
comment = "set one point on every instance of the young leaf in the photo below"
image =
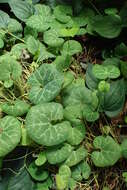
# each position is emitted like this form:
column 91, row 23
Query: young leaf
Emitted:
column 48, row 134
column 10, row 134
column 71, row 47
column 109, row 154
column 16, row 108
column 81, row 171
column 89, row 114
column 62, row 178
column 103, row 72
column 37, row 173
column 41, row 159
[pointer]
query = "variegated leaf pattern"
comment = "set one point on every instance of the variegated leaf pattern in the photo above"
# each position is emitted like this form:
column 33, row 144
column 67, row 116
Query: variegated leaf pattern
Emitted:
column 58, row 154
column 46, row 83
column 44, row 125
column 10, row 134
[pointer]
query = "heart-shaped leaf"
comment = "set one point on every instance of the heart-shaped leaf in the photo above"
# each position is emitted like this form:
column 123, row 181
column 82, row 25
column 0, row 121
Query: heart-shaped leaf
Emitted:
column 22, row 9
column 10, row 134
column 81, row 171
column 51, row 38
column 76, row 156
column 46, row 83
column 47, row 133
column 63, row 13
column 109, row 153
column 9, row 68
column 107, row 26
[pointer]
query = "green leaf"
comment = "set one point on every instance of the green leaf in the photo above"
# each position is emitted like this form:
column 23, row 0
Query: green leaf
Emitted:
column 32, row 45
column 15, row 108
column 1, row 43
column 81, row 171
column 77, row 134
column 51, row 38
column 37, row 173
column 57, row 155
column 103, row 86
column 46, row 83
column 51, row 129
column 62, row 178
column 17, row 50
column 83, row 17
column 80, row 95
column 4, row 19
column 73, row 113
column 68, row 78
column 44, row 10
column 89, row 114
column 71, row 32
column 111, row 11
column 112, row 61
column 123, row 67
column 90, row 79
column 45, row 185
column 107, row 26
column 8, row 83
column 14, row 26
column 63, row 13
column 71, row 47
column 9, row 68
column 113, row 101
column 41, row 159
column 10, row 134
column 39, row 23
column 62, row 62
column 22, row 9
column 76, row 156
column 121, row 50
column 109, row 154
column 103, row 72
column 21, row 181
column 124, row 148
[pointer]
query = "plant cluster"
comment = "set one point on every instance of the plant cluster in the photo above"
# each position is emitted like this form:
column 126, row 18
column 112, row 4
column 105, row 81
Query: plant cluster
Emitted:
column 45, row 107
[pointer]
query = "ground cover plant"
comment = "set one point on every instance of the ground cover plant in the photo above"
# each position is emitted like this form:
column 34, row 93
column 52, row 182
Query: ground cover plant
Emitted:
column 63, row 87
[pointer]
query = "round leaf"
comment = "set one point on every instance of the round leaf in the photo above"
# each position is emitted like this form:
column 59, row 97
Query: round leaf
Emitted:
column 46, row 83
column 109, row 154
